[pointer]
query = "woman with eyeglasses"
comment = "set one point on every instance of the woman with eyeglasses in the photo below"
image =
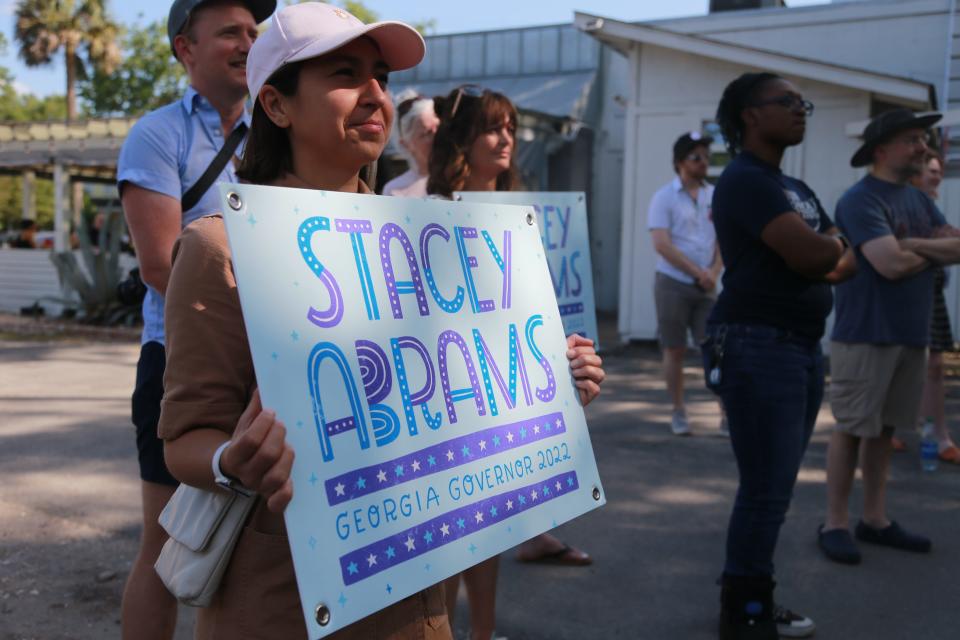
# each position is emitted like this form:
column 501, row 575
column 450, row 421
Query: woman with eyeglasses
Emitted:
column 416, row 125
column 322, row 111
column 474, row 150
column 762, row 353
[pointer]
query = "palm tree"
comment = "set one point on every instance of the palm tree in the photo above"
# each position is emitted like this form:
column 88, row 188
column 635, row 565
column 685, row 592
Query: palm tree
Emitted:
column 82, row 29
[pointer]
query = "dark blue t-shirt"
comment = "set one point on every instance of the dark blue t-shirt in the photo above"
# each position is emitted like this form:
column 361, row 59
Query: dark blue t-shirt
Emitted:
column 758, row 286
column 870, row 308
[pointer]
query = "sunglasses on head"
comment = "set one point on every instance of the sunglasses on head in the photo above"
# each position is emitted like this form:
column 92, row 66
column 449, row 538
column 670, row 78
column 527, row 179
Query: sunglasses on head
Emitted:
column 465, row 91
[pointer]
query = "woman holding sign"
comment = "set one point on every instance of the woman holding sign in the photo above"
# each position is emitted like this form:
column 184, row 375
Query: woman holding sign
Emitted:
column 322, row 112
column 473, row 150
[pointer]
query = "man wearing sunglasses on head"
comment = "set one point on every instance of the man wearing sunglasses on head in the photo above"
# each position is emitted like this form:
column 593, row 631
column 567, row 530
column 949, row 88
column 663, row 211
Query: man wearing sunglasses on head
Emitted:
column 689, row 264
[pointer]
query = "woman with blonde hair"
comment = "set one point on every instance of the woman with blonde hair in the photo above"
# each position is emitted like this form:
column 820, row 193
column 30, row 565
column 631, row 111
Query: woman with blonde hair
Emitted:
column 322, row 112
column 416, row 125
column 474, row 150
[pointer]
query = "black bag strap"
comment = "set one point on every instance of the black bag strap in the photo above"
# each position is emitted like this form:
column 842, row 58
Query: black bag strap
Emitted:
column 194, row 193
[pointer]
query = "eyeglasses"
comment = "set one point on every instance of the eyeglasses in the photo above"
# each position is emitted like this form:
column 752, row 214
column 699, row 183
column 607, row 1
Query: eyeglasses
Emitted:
column 698, row 157
column 404, row 107
column 788, row 102
column 466, row 90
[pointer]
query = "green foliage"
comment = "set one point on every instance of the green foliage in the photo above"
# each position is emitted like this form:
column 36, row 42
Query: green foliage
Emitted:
column 96, row 283
column 11, row 202
column 147, row 78
column 81, row 30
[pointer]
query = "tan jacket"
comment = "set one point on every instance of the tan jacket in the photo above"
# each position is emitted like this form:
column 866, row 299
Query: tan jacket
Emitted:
column 208, row 382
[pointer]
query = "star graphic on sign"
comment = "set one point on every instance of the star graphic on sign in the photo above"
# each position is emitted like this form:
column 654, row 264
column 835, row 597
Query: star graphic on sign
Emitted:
column 473, row 548
column 558, row 485
column 536, row 429
column 483, row 445
column 361, row 483
column 449, row 455
column 339, row 489
column 274, row 355
column 465, row 451
column 546, row 425
column 461, row 523
column 352, row 568
column 398, row 470
column 522, row 498
column 546, row 490
column 523, row 432
column 533, row 494
column 445, row 529
column 313, row 478
column 415, row 466
column 312, row 542
column 428, row 537
column 478, row 516
column 431, row 461
column 558, row 423
column 371, row 560
column 391, row 553
column 342, row 599
column 509, row 505
column 389, row 588
column 493, row 512
column 381, row 476
column 509, row 436
column 410, row 543
column 252, row 220
column 496, row 441
column 294, row 336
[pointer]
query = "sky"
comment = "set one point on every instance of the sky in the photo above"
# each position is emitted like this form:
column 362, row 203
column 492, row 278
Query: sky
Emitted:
column 449, row 16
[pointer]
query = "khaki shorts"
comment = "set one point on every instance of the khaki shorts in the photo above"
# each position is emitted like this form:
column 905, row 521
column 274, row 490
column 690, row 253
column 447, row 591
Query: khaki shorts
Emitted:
column 875, row 386
column 681, row 307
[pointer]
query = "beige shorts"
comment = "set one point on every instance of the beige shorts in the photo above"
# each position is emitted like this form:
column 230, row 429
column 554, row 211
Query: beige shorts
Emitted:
column 875, row 386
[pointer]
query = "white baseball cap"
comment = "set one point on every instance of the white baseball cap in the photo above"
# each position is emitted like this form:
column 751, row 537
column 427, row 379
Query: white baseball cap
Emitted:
column 311, row 29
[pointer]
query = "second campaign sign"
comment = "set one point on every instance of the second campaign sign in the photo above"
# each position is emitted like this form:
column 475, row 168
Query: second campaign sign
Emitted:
column 414, row 350
column 562, row 220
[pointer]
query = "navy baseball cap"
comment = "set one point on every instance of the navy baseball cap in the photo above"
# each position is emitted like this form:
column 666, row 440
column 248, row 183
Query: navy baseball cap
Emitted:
column 688, row 142
column 180, row 11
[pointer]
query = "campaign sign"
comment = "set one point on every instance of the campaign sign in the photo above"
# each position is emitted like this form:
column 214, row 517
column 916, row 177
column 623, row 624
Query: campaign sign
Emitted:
column 562, row 218
column 414, row 351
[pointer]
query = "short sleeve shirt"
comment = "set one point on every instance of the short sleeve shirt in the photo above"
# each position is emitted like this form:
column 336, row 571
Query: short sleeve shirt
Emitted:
column 758, row 286
column 689, row 222
column 870, row 308
column 167, row 151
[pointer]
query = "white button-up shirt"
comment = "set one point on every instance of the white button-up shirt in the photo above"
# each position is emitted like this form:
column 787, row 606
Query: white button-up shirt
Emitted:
column 689, row 222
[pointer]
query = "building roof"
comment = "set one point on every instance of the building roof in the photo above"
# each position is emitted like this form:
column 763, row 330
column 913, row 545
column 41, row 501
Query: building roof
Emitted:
column 624, row 35
column 93, row 144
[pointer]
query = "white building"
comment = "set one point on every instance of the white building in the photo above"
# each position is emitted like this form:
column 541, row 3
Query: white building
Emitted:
column 852, row 60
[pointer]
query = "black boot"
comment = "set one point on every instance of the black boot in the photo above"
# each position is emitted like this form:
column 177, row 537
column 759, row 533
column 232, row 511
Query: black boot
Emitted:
column 746, row 608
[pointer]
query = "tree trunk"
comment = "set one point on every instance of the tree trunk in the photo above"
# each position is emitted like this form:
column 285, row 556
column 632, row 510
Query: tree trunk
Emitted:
column 70, row 56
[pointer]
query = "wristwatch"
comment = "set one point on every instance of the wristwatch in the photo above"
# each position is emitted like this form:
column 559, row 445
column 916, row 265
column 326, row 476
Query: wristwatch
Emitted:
column 223, row 480
column 843, row 240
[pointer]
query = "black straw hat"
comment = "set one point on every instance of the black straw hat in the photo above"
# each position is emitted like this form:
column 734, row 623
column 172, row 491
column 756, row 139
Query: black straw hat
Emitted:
column 884, row 127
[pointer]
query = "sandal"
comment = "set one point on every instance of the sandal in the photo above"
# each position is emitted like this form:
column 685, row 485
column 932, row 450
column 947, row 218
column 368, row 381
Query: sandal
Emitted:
column 565, row 555
column 951, row 454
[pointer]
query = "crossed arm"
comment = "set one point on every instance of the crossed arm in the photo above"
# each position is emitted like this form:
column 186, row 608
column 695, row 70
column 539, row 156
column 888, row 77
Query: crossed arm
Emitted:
column 943, row 248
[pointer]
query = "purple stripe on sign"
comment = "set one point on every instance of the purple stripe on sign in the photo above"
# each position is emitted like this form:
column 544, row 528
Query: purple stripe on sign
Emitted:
column 442, row 457
column 454, row 525
column 570, row 309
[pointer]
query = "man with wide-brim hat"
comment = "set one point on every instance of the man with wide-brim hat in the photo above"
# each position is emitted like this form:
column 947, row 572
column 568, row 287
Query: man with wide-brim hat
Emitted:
column 167, row 165
column 878, row 348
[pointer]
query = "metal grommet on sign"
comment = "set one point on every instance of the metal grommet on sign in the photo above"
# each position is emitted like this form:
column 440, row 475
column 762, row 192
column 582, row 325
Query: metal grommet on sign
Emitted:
column 233, row 199
column 530, row 217
column 596, row 493
column 323, row 614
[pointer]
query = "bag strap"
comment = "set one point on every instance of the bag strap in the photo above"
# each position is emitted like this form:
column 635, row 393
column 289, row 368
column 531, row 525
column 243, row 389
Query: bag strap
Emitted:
column 200, row 187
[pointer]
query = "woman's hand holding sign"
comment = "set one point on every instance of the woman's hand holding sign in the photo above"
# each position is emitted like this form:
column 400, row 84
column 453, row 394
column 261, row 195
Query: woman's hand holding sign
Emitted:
column 585, row 366
column 259, row 456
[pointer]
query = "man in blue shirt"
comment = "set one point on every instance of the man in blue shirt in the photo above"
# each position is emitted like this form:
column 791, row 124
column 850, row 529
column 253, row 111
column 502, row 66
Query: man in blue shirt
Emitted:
column 164, row 155
column 880, row 337
column 681, row 227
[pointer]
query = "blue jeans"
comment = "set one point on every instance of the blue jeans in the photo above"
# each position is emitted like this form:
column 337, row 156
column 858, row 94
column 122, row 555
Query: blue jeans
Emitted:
column 771, row 385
